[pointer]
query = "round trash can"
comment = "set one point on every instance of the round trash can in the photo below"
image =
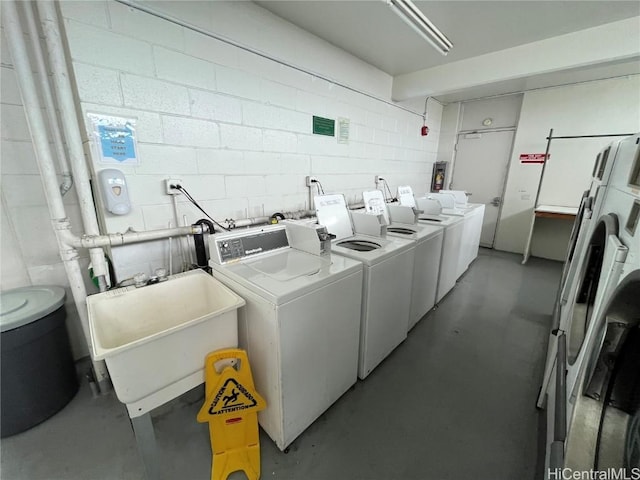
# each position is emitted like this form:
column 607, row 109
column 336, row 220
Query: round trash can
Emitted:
column 37, row 371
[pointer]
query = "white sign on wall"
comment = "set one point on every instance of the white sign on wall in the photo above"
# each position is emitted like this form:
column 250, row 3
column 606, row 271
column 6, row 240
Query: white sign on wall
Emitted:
column 114, row 139
column 343, row 130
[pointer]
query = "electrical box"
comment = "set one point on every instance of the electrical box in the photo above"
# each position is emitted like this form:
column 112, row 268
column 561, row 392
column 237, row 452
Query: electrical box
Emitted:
column 114, row 191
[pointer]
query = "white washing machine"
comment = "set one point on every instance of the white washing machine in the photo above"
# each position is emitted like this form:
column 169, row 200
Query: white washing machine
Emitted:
column 587, row 217
column 300, row 325
column 426, row 266
column 454, row 203
column 599, row 426
column 387, row 286
column 451, row 240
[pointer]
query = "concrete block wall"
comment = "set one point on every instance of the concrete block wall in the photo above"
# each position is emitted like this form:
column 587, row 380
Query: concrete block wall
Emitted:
column 234, row 126
column 28, row 247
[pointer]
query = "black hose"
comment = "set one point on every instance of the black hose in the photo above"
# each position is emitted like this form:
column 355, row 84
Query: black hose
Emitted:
column 201, row 249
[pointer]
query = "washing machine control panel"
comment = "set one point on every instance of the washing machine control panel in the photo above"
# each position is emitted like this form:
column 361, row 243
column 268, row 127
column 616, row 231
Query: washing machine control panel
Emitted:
column 230, row 247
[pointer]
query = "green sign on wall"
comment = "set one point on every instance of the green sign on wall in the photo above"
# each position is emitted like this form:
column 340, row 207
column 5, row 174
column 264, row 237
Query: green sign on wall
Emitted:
column 324, row 126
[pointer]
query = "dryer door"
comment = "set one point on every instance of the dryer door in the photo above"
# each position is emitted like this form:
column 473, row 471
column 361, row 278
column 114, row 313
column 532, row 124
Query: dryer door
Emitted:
column 605, row 428
column 599, row 257
column 576, row 242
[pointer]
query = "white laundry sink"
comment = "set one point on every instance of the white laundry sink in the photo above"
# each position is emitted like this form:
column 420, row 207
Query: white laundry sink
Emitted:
column 155, row 338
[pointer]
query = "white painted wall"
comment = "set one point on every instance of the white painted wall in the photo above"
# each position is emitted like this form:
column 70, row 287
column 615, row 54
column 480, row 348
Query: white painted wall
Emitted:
column 234, row 126
column 607, row 106
column 28, row 248
column 503, row 112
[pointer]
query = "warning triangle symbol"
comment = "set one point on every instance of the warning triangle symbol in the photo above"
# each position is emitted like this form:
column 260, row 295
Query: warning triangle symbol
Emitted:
column 231, row 397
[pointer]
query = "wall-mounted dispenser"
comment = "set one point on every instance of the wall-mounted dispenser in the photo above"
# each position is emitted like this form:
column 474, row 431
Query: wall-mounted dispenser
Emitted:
column 114, row 191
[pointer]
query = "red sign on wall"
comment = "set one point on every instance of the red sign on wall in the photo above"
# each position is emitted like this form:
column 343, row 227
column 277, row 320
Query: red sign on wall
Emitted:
column 532, row 157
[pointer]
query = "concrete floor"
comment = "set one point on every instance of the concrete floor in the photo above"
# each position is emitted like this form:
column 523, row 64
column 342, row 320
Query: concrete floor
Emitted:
column 455, row 401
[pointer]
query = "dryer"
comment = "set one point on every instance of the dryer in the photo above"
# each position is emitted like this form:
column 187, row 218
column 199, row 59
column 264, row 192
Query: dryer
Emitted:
column 387, row 285
column 598, row 428
column 300, row 325
column 428, row 238
column 600, row 266
column 588, row 215
column 451, row 240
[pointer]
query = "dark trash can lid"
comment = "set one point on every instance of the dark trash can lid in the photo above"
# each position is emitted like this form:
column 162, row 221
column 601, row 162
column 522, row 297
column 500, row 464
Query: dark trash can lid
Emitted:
column 21, row 306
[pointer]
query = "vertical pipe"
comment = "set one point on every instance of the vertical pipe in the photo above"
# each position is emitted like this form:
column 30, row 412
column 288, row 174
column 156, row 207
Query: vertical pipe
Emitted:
column 53, row 37
column 47, row 96
column 37, row 129
column 527, row 247
column 544, row 166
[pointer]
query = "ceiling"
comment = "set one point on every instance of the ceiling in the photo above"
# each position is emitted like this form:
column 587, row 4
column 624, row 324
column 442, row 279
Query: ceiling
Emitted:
column 369, row 30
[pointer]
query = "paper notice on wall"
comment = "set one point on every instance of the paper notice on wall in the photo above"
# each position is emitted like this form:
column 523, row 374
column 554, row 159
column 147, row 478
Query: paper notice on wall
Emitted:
column 114, row 139
column 343, row 130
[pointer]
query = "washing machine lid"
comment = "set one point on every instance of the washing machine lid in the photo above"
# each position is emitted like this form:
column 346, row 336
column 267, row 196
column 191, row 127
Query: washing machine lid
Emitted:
column 287, row 267
column 21, row 306
column 283, row 276
column 405, row 196
column 374, row 203
column 454, row 212
column 332, row 212
column 460, row 196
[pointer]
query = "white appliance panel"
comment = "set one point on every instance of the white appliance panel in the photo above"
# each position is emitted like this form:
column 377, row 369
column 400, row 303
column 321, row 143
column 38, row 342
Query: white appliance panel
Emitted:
column 452, row 243
column 425, row 277
column 385, row 313
column 303, row 354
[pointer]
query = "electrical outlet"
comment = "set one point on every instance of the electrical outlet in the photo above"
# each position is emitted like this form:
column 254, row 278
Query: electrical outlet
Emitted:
column 170, row 184
column 310, row 179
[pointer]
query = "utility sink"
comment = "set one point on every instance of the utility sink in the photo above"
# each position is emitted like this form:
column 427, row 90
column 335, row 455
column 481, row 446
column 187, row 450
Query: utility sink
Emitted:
column 154, row 339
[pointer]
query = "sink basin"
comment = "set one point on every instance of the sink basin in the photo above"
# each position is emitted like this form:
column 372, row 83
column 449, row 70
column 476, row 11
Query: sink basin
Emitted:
column 156, row 337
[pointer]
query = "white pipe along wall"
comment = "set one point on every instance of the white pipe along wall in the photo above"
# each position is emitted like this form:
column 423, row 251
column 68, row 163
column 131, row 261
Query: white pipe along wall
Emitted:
column 47, row 96
column 44, row 158
column 50, row 25
column 67, row 241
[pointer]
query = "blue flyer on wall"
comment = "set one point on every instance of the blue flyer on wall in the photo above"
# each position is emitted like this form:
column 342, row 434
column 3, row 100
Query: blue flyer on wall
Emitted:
column 117, row 143
column 114, row 139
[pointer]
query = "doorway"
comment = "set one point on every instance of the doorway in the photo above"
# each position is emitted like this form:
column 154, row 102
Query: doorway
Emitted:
column 480, row 169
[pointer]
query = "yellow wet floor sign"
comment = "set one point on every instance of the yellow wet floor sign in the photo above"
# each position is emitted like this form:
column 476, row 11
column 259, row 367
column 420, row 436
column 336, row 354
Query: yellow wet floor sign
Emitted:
column 231, row 408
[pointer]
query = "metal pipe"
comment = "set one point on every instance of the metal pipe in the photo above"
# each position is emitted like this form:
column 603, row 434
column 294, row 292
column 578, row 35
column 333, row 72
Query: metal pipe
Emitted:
column 53, row 37
column 550, row 137
column 126, row 238
column 47, row 96
column 230, row 223
column 44, row 158
column 544, row 167
column 245, row 222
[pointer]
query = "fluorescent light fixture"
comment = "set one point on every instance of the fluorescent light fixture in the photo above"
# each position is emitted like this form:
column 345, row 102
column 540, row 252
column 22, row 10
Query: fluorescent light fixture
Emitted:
column 413, row 17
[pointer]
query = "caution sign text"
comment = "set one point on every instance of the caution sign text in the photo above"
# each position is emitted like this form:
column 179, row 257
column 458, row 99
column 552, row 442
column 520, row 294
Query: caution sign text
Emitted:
column 231, row 397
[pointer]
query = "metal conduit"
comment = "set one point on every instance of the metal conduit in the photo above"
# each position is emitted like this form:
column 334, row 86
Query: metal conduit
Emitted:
column 177, row 21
